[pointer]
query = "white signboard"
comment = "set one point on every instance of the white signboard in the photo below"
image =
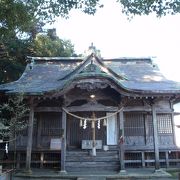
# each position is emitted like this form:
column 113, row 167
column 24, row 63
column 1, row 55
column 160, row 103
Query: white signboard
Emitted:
column 111, row 130
column 55, row 144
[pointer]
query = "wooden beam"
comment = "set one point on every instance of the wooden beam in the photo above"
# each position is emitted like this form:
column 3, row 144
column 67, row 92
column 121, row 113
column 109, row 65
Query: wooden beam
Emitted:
column 63, row 144
column 30, row 137
column 100, row 107
column 146, row 109
column 155, row 137
column 47, row 109
column 93, row 108
column 121, row 141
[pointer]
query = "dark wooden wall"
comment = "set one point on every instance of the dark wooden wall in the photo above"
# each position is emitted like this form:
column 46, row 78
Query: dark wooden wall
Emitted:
column 139, row 130
column 75, row 133
column 138, row 127
column 47, row 125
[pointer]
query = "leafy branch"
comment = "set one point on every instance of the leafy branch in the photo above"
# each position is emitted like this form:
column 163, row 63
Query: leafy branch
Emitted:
column 12, row 116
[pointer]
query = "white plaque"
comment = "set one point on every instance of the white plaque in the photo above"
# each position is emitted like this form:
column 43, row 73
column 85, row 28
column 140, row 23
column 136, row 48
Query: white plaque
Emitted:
column 55, row 144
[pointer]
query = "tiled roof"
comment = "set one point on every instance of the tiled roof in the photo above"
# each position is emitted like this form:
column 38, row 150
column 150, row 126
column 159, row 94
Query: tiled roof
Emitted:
column 51, row 74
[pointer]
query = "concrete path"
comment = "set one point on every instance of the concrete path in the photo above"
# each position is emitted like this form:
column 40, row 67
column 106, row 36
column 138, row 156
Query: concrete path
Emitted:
column 130, row 174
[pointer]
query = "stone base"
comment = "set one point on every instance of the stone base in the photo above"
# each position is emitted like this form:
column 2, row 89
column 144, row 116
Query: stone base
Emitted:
column 27, row 171
column 63, row 172
column 161, row 172
column 122, row 172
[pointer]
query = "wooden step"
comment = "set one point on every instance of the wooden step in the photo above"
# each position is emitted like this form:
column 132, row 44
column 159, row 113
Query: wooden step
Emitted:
column 88, row 152
column 91, row 159
column 84, row 161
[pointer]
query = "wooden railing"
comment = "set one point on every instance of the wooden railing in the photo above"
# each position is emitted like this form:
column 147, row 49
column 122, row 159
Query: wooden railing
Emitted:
column 133, row 159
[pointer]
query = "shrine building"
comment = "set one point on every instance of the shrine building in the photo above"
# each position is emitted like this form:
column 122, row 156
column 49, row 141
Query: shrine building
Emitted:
column 96, row 114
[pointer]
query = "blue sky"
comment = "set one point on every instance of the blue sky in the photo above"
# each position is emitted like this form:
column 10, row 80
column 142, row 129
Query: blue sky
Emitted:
column 115, row 36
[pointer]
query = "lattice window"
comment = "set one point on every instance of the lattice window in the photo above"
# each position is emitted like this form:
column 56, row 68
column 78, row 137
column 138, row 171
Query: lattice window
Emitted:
column 134, row 124
column 51, row 124
column 149, row 128
column 164, row 123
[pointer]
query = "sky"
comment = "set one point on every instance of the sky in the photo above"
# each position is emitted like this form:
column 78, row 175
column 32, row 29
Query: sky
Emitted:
column 115, row 36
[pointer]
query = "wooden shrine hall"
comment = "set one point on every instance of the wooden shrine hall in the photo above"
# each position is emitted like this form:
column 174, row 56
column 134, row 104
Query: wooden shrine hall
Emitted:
column 96, row 114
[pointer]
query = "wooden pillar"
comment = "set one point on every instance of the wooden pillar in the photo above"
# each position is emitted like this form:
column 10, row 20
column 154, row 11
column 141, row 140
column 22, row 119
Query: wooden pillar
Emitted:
column 143, row 159
column 30, row 137
column 63, row 143
column 167, row 159
column 41, row 159
column 155, row 137
column 121, row 142
column 39, row 124
column 172, row 123
column 93, row 136
column 18, row 160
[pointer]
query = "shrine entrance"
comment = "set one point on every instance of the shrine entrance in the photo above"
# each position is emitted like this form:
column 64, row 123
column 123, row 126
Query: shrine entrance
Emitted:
column 81, row 131
column 92, row 107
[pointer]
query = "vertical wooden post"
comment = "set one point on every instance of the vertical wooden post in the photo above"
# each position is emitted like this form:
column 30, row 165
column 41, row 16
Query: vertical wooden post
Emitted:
column 41, row 159
column 93, row 135
column 39, row 124
column 18, row 160
column 167, row 159
column 121, row 142
column 146, row 126
column 172, row 123
column 63, row 143
column 155, row 137
column 143, row 159
column 30, row 137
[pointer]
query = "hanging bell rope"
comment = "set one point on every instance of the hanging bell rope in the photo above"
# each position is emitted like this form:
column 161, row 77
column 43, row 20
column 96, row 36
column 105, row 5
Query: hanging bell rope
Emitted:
column 92, row 119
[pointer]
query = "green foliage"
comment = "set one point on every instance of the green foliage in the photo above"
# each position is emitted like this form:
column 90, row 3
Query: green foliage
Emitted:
column 159, row 7
column 11, row 60
column 22, row 15
column 29, row 15
column 13, row 16
column 12, row 116
column 10, row 70
column 45, row 45
column 13, row 53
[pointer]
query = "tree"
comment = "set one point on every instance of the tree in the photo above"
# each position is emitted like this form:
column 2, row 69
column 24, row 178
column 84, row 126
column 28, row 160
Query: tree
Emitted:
column 12, row 117
column 145, row 7
column 22, row 15
column 13, row 52
column 50, row 45
column 9, row 69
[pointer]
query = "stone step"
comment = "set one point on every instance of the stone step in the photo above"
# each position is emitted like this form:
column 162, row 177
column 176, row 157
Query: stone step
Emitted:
column 91, row 178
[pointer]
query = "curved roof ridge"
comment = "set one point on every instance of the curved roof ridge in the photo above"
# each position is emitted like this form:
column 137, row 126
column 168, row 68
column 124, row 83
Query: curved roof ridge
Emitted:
column 91, row 58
